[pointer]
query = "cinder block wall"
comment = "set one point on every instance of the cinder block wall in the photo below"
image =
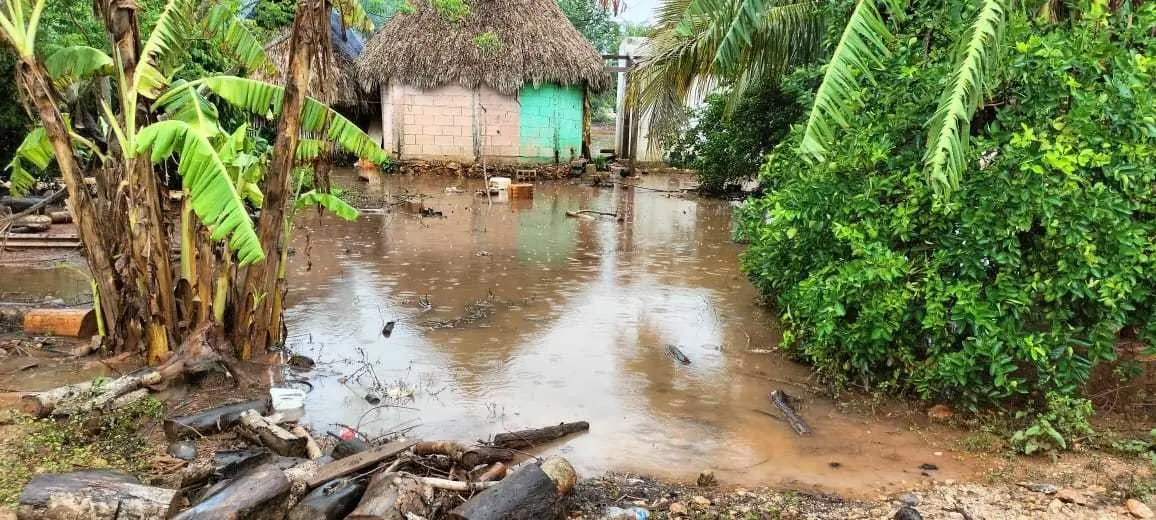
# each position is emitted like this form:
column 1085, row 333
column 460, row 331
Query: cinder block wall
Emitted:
column 439, row 124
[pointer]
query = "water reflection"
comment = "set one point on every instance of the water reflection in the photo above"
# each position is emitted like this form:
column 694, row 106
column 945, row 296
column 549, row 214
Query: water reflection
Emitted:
column 575, row 317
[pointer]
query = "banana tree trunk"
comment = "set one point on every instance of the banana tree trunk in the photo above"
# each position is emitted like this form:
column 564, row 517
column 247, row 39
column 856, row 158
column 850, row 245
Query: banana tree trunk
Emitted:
column 39, row 90
column 150, row 257
column 257, row 324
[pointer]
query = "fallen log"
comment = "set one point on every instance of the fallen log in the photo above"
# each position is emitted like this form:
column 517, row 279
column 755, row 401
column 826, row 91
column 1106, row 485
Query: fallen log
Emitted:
column 358, row 462
column 86, row 396
column 782, row 401
column 589, row 212
column 94, row 495
column 228, row 464
column 467, row 458
column 213, row 420
column 312, row 449
column 532, row 492
column 332, row 501
column 267, row 432
column 78, row 323
column 31, row 224
column 257, row 495
column 60, row 217
column 530, row 438
column 20, row 203
column 390, row 497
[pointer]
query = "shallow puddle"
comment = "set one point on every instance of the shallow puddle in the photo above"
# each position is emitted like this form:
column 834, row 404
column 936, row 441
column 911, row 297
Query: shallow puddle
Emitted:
column 511, row 314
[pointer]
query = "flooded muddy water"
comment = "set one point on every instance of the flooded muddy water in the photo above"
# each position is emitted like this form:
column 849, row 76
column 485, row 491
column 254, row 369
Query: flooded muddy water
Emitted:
column 513, row 315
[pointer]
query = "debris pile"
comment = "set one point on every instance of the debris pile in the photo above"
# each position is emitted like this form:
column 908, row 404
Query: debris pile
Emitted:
column 248, row 460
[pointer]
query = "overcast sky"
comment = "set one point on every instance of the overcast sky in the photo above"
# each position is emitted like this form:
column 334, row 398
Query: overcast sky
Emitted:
column 638, row 11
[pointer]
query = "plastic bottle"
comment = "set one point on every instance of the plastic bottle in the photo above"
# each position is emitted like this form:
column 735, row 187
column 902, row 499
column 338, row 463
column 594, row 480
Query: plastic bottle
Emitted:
column 632, row 513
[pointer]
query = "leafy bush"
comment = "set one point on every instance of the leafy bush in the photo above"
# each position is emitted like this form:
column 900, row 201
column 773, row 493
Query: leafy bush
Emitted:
column 1009, row 290
column 726, row 150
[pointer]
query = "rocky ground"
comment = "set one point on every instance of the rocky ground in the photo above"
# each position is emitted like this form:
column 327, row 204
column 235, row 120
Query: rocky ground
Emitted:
column 1068, row 491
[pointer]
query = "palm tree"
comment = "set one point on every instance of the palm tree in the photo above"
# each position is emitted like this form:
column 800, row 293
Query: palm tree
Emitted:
column 703, row 43
column 154, row 119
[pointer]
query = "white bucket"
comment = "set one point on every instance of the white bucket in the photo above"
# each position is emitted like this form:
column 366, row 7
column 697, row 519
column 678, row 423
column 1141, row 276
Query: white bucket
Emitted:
column 499, row 183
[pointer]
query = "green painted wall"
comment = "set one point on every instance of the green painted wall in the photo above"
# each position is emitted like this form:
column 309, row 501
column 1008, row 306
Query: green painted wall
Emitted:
column 550, row 123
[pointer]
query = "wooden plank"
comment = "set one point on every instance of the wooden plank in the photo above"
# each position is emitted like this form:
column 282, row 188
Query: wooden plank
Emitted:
column 40, row 244
column 358, row 462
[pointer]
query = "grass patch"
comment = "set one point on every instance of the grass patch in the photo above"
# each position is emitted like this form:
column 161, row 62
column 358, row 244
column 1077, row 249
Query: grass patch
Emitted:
column 29, row 446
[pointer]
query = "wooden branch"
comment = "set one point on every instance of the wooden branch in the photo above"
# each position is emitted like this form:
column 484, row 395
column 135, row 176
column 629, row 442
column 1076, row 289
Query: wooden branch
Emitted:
column 677, row 354
column 530, row 438
column 266, row 432
column 589, row 212
column 358, row 462
column 312, row 449
column 451, row 485
column 781, row 400
column 95, row 495
column 87, row 396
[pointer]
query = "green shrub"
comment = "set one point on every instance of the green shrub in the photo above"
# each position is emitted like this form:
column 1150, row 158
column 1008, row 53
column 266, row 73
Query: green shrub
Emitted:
column 726, row 150
column 1012, row 288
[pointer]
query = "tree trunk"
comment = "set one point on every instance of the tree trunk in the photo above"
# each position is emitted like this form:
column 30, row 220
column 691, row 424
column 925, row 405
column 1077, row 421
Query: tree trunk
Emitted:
column 213, row 420
column 333, row 501
column 530, row 438
column 258, row 494
column 37, row 87
column 95, row 495
column 390, row 497
column 529, row 493
column 254, row 324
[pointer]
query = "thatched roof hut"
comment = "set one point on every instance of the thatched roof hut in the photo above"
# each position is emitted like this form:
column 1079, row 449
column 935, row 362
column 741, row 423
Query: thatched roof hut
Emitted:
column 340, row 88
column 504, row 44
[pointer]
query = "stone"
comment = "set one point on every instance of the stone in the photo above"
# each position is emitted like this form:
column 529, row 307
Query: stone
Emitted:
column 1055, row 507
column 910, row 499
column 1071, row 496
column 955, row 516
column 706, row 478
column 701, row 501
column 1138, row 509
column 677, row 508
column 940, row 412
column 185, row 450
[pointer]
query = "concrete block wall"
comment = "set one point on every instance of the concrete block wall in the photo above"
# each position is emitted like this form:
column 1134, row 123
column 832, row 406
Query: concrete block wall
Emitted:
column 439, row 124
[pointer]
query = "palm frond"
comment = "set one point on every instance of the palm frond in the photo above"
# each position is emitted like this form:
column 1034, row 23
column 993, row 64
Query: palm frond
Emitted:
column 329, row 201
column 234, row 39
column 713, row 42
column 207, row 184
column 353, row 15
column 163, row 48
column 862, row 45
column 263, row 98
column 71, row 64
column 950, row 127
column 35, row 149
column 188, row 105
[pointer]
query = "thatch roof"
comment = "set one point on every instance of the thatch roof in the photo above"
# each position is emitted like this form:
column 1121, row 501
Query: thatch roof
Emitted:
column 535, row 44
column 342, row 89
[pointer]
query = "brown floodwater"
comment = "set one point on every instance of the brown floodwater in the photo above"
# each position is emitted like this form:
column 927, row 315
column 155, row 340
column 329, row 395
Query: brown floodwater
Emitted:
column 511, row 314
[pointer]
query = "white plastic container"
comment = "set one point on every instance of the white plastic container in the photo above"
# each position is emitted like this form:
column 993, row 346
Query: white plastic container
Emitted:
column 287, row 399
column 499, row 183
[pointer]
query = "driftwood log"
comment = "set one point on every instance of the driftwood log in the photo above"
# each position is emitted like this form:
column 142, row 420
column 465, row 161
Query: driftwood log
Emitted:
column 197, row 352
column 677, row 354
column 532, row 492
column 228, row 464
column 312, row 449
column 93, row 495
column 257, row 495
column 332, row 501
column 782, row 401
column 78, row 322
column 467, row 458
column 213, row 420
column 87, row 396
column 31, row 224
column 358, row 462
column 390, row 496
column 529, row 438
column 262, row 430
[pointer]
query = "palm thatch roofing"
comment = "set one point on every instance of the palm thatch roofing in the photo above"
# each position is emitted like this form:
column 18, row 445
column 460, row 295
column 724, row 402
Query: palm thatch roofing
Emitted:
column 340, row 87
column 504, row 44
